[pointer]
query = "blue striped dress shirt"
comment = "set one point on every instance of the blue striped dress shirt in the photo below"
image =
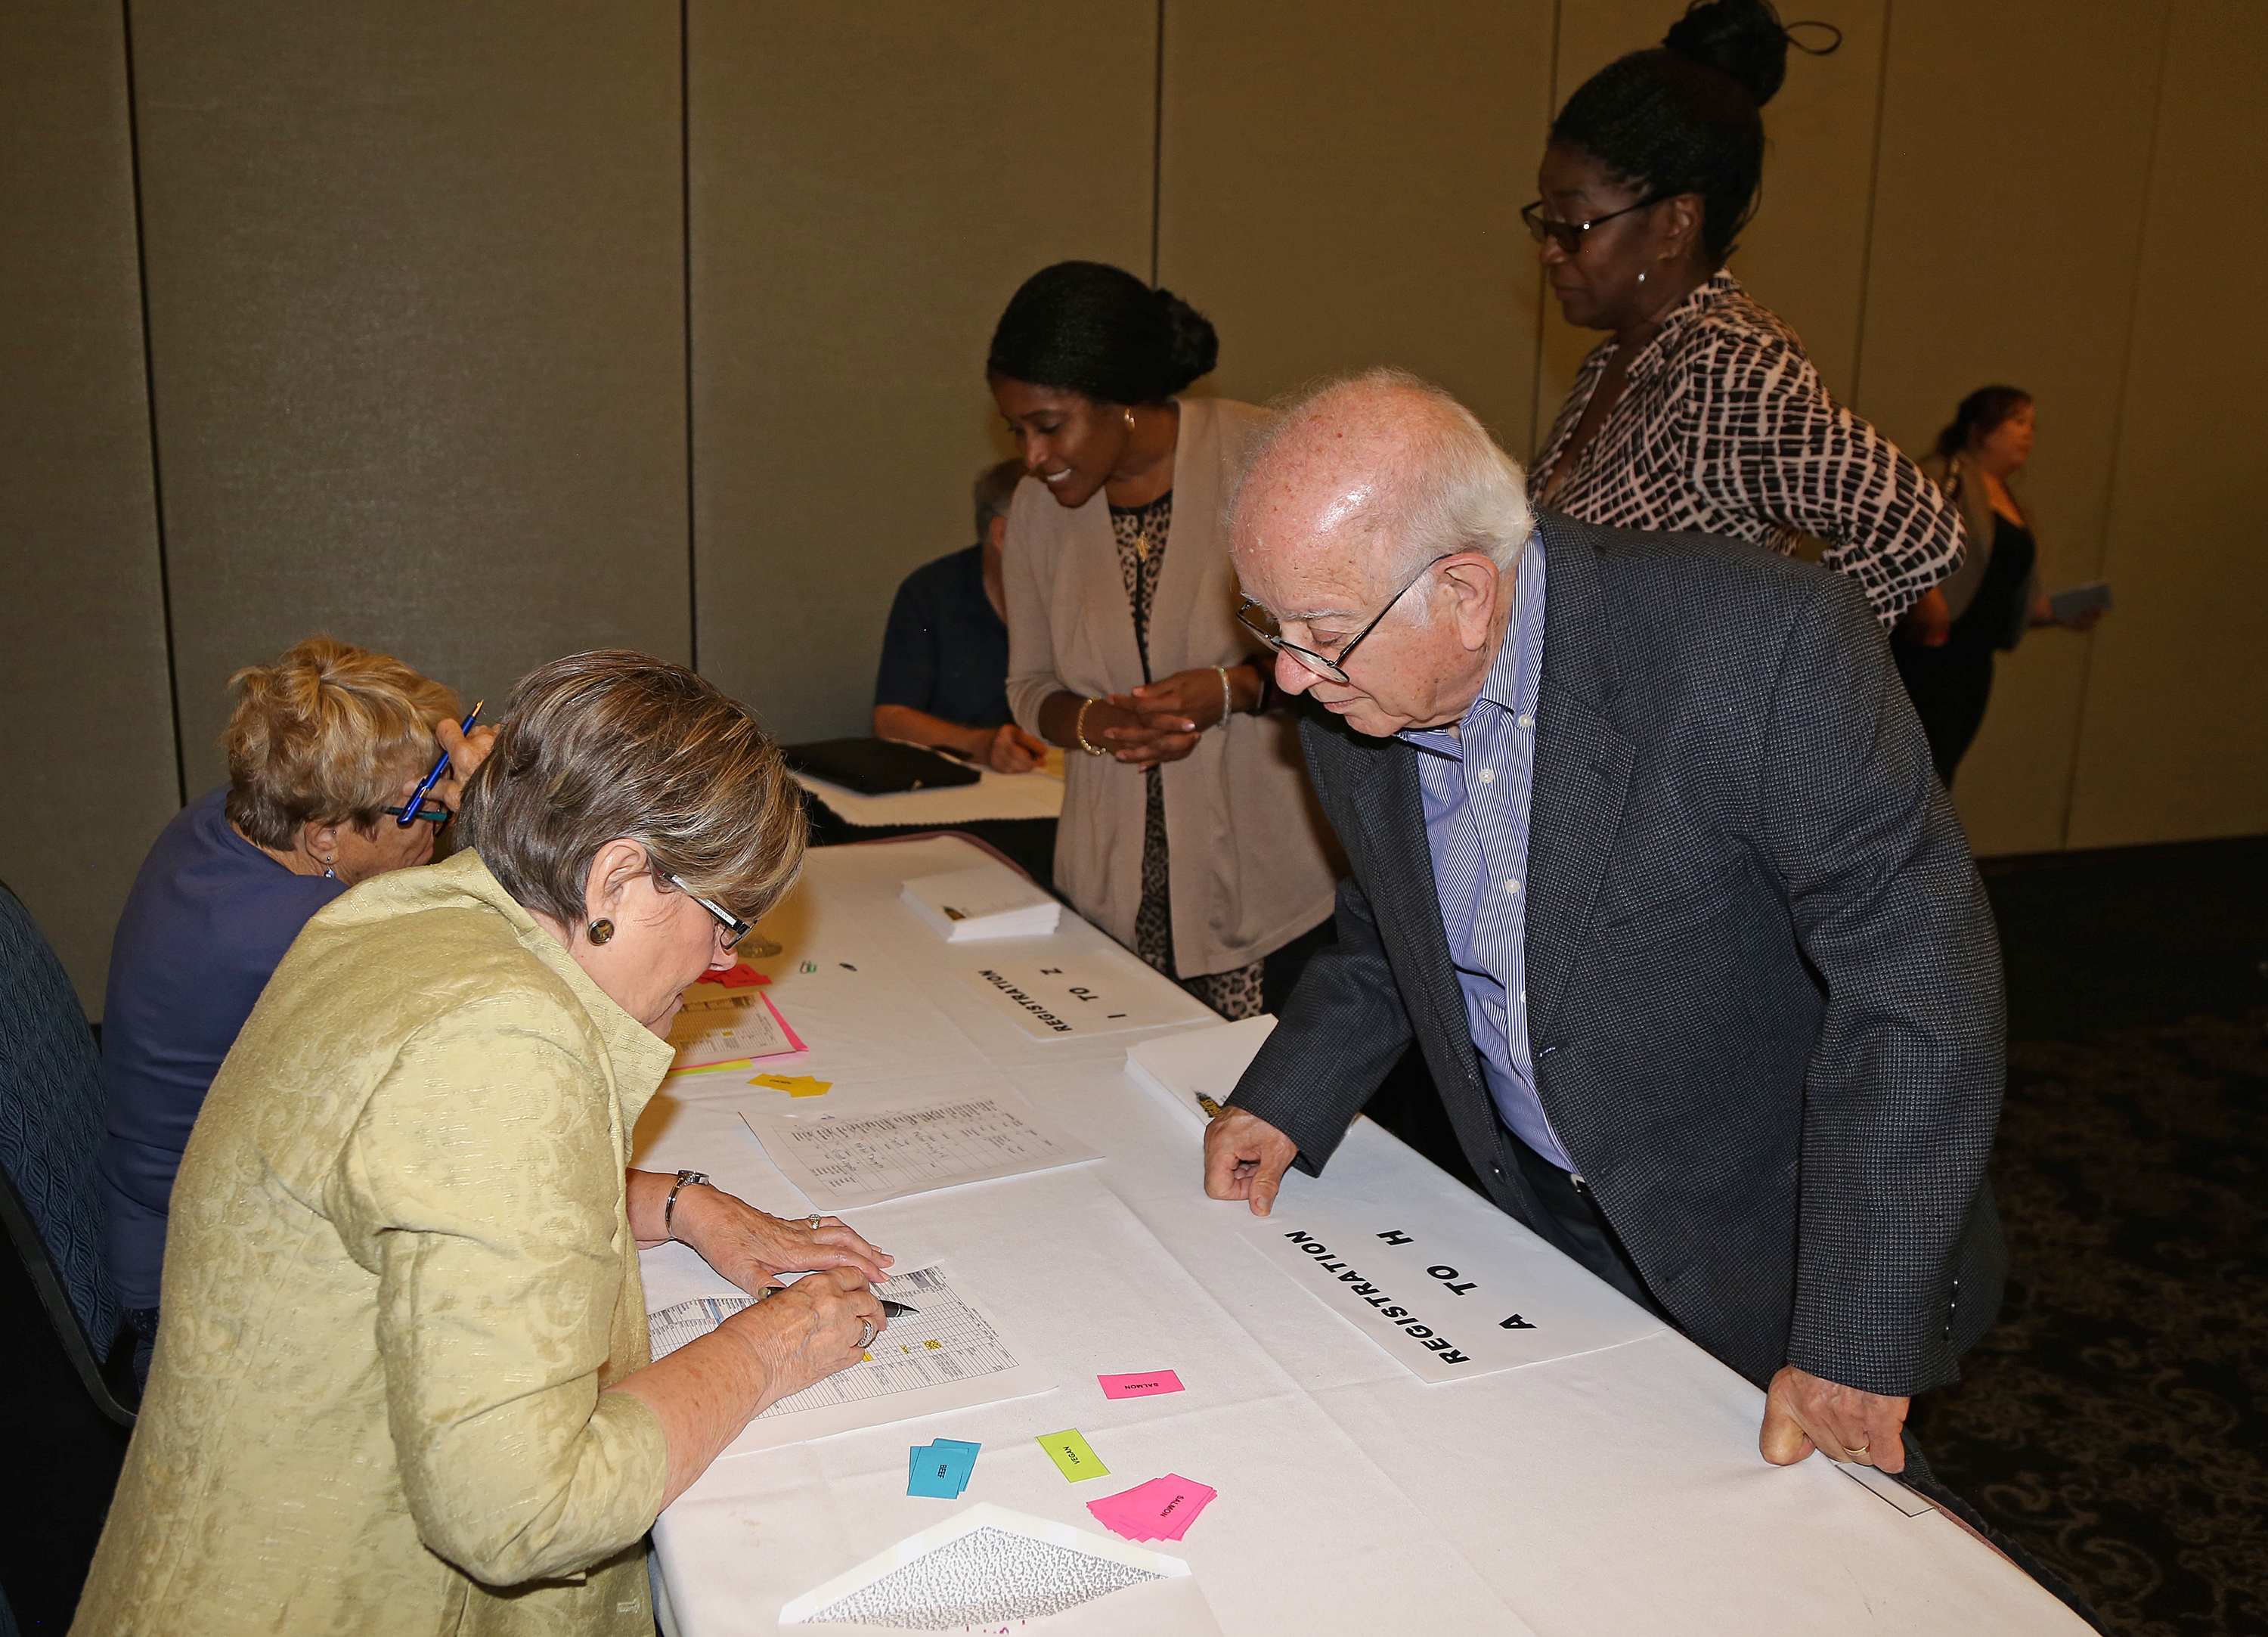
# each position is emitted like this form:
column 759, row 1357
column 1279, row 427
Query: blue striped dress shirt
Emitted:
column 1476, row 781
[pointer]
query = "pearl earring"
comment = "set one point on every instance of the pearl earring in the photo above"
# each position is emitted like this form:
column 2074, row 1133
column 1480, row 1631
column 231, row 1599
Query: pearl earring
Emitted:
column 1130, row 420
column 600, row 931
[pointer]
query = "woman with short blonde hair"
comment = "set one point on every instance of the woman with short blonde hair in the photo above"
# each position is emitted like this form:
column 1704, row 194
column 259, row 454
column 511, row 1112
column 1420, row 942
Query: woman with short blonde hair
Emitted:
column 404, row 1385
column 327, row 735
column 324, row 746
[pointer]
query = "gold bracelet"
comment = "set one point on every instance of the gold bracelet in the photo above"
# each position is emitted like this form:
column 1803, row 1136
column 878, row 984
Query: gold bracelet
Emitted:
column 1079, row 729
column 1227, row 699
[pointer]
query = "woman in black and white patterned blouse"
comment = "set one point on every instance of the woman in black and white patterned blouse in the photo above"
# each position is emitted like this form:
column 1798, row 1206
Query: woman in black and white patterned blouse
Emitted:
column 1700, row 410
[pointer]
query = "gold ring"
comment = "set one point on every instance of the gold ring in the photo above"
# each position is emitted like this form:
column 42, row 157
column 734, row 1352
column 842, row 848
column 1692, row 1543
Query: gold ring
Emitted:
column 1851, row 1454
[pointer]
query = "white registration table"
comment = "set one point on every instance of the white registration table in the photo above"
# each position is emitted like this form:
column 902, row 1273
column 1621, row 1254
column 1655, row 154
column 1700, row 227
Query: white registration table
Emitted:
column 1616, row 1492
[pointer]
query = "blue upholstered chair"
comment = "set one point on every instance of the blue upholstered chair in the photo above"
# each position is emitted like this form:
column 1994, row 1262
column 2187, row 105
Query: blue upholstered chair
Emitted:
column 50, row 1140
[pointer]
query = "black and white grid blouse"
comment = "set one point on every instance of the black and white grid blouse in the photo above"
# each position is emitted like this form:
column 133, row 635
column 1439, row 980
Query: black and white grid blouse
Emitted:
column 1726, row 428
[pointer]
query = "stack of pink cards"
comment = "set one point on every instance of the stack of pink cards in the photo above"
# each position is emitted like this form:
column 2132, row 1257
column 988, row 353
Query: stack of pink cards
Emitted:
column 1161, row 1509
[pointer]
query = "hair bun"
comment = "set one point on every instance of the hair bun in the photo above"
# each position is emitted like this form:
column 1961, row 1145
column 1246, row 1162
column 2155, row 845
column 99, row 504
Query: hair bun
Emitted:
column 1195, row 348
column 1744, row 38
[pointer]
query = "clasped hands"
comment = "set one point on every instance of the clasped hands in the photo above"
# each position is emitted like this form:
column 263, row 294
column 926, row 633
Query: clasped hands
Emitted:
column 1160, row 721
column 1245, row 1158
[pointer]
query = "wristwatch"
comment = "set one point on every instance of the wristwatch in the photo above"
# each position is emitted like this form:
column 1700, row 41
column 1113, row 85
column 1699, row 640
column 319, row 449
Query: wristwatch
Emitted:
column 685, row 1179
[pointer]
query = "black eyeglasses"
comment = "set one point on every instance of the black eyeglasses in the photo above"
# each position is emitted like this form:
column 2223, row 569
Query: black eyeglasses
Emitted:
column 432, row 813
column 735, row 928
column 1263, row 625
column 1569, row 235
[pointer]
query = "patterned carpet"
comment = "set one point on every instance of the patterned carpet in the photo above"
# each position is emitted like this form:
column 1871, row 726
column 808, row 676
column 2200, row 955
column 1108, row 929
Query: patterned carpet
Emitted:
column 2115, row 1420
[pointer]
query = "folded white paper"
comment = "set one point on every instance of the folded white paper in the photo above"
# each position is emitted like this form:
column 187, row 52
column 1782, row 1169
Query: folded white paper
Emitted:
column 988, row 901
column 1187, row 1071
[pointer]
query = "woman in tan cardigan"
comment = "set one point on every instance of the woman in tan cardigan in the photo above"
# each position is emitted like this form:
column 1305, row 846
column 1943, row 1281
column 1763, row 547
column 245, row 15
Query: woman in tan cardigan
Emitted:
column 1189, row 830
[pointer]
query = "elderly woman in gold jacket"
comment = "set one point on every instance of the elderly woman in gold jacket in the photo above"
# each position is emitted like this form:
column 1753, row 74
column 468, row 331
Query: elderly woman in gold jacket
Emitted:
column 404, row 1384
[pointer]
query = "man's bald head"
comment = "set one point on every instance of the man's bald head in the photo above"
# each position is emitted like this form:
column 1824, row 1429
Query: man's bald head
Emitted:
column 1379, row 497
column 1382, row 472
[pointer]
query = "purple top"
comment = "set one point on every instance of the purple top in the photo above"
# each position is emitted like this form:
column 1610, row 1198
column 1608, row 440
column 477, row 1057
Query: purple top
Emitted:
column 210, row 916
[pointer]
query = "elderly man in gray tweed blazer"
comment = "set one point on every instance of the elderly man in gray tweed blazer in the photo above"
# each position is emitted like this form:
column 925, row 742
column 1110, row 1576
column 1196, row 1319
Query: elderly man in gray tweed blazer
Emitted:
column 1649, row 860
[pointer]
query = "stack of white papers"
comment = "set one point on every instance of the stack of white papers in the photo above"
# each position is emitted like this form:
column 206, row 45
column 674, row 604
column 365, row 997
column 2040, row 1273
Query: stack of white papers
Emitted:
column 1188, row 1071
column 986, row 901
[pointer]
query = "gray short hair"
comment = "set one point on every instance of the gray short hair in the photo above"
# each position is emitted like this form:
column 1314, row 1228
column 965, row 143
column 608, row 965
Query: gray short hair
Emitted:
column 996, row 489
column 611, row 743
column 1452, row 488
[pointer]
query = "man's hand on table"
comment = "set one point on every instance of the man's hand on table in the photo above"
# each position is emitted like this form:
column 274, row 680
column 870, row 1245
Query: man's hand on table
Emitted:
column 1245, row 1158
column 1803, row 1413
column 1008, row 748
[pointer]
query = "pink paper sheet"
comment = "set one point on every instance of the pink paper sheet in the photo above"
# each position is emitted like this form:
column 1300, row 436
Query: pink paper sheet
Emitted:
column 1139, row 1386
column 1161, row 1509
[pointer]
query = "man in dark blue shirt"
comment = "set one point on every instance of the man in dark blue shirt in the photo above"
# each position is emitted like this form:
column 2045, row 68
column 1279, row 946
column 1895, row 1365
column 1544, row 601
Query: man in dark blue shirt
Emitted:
column 943, row 679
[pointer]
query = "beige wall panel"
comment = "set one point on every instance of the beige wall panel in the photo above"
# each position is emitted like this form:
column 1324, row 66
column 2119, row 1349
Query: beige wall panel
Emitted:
column 1341, row 185
column 416, row 305
column 2172, row 746
column 869, row 186
column 2015, row 149
column 87, row 736
column 1804, row 256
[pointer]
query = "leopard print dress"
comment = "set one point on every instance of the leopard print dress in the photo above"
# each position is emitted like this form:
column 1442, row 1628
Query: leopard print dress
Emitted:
column 1141, row 533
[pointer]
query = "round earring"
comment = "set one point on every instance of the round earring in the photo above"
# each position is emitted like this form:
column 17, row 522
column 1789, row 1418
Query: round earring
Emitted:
column 1641, row 278
column 1130, row 420
column 599, row 931
column 330, row 873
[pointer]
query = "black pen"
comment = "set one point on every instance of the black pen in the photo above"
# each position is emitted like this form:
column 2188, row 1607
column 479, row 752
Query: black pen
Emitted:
column 890, row 1309
column 411, row 808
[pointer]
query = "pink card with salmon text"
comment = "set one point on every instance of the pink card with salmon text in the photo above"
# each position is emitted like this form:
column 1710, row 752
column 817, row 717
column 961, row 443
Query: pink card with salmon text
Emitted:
column 1139, row 1386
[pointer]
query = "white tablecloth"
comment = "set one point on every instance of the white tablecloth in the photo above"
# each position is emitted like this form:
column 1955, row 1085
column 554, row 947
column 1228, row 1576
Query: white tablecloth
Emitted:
column 1617, row 1492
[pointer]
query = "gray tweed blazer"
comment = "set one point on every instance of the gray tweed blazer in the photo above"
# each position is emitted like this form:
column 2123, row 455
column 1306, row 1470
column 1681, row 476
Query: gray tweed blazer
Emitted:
column 1763, row 981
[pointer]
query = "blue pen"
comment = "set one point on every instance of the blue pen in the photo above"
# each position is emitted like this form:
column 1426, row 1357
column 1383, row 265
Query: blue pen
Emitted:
column 416, row 802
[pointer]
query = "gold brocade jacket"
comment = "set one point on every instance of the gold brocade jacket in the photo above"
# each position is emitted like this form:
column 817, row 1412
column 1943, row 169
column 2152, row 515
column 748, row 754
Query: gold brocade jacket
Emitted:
column 399, row 1273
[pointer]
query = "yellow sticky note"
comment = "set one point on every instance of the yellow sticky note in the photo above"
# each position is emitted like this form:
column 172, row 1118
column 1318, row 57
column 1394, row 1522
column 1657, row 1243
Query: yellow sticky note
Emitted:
column 794, row 1085
column 1072, row 1458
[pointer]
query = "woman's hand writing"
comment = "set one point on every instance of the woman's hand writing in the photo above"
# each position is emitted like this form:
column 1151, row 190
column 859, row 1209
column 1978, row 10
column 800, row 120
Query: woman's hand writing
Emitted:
column 807, row 1331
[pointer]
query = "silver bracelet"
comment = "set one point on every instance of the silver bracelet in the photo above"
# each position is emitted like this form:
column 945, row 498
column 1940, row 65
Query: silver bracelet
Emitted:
column 1227, row 699
column 685, row 1179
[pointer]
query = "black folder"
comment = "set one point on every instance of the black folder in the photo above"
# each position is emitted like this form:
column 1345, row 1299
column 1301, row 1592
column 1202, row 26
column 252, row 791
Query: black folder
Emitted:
column 878, row 767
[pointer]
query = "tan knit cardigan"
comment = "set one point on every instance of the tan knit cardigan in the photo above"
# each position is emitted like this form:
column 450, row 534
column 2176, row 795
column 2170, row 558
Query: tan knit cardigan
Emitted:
column 1253, row 859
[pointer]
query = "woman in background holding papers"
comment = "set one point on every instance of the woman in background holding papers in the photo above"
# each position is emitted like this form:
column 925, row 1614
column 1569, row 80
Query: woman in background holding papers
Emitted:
column 1188, row 832
column 402, row 1385
column 1945, row 646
